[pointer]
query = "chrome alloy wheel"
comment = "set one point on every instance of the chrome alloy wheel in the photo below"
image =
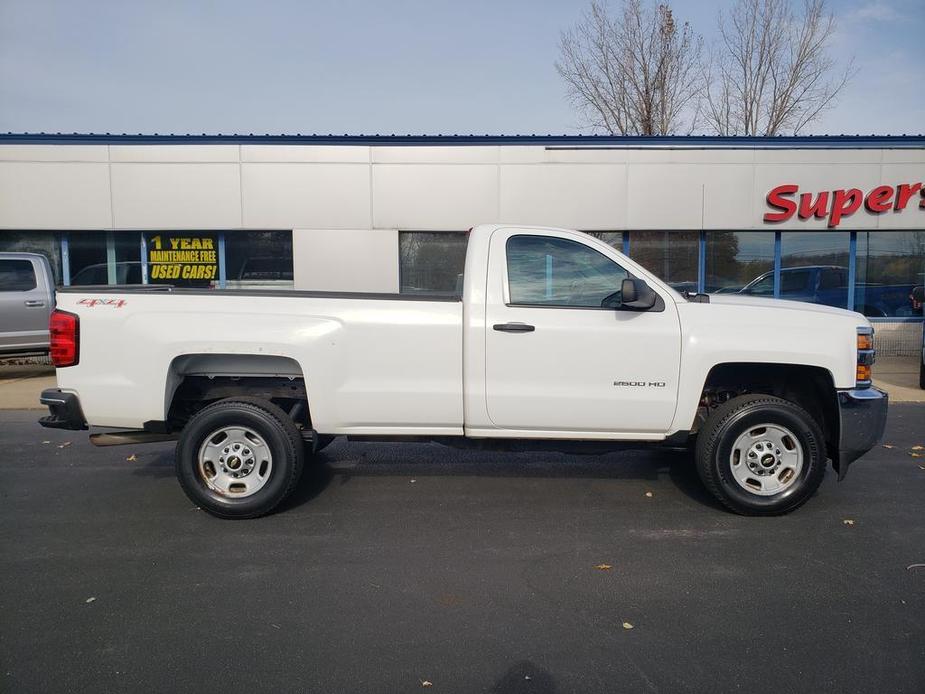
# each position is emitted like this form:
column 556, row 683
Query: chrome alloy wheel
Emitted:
column 766, row 459
column 235, row 461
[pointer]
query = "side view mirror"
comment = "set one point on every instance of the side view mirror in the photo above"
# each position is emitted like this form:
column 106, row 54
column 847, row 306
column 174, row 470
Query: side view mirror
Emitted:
column 634, row 295
column 918, row 294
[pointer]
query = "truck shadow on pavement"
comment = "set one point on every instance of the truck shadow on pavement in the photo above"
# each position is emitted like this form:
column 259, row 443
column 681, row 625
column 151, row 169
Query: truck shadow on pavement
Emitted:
column 344, row 461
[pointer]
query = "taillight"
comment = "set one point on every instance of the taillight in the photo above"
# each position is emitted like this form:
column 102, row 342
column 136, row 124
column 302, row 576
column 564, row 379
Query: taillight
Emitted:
column 866, row 356
column 65, row 338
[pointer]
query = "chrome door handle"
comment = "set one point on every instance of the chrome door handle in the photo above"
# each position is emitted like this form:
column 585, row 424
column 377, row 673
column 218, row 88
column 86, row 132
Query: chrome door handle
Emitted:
column 34, row 303
column 514, row 327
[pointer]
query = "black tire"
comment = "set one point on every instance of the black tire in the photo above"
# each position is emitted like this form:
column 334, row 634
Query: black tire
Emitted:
column 733, row 418
column 277, row 430
column 922, row 373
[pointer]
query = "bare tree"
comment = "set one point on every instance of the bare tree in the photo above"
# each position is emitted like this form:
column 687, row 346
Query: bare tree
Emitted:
column 633, row 73
column 770, row 72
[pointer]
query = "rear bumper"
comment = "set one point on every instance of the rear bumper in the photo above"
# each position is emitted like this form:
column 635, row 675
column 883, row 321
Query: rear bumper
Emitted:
column 861, row 421
column 63, row 410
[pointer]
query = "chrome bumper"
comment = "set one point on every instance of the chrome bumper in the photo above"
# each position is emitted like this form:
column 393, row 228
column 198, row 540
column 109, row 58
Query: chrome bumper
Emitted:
column 861, row 421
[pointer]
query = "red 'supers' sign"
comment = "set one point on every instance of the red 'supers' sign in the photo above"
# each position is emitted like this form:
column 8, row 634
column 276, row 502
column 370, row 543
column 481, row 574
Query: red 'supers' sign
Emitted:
column 837, row 204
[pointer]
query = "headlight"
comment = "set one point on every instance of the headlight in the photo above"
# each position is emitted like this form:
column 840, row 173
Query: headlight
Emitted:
column 866, row 356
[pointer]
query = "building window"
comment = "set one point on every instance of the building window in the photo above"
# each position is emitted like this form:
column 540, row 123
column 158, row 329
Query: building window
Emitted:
column 431, row 262
column 889, row 265
column 258, row 260
column 87, row 258
column 672, row 256
column 735, row 259
column 815, row 267
column 126, row 254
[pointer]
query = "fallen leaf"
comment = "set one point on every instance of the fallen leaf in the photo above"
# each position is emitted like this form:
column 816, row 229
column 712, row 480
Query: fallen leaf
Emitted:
column 918, row 448
column 89, row 600
column 627, row 625
column 886, row 445
column 603, row 567
column 426, row 683
column 650, row 494
column 65, row 444
column 848, row 521
column 132, row 458
column 917, row 455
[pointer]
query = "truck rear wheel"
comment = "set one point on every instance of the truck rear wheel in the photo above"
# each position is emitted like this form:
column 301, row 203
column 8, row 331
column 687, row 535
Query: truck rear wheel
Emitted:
column 239, row 458
column 761, row 455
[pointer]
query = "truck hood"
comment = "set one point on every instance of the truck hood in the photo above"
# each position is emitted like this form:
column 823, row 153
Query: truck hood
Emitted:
column 760, row 301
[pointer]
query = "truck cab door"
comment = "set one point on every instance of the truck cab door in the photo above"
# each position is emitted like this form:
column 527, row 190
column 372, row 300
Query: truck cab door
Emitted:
column 557, row 363
column 24, row 305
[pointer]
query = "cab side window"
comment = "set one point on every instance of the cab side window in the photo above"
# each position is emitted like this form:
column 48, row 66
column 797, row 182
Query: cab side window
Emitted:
column 16, row 276
column 550, row 271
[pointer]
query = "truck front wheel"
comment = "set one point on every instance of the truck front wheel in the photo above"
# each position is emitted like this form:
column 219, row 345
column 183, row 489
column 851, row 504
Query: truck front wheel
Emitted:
column 239, row 458
column 761, row 455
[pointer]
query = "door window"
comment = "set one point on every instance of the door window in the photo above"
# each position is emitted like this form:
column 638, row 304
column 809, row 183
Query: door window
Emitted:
column 16, row 276
column 550, row 271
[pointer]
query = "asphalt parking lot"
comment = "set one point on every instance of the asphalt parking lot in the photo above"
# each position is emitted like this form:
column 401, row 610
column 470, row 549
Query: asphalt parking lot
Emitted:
column 404, row 568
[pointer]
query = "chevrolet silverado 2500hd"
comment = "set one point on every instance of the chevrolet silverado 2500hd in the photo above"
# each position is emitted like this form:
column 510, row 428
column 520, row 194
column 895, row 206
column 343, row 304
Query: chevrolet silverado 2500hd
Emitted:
column 557, row 341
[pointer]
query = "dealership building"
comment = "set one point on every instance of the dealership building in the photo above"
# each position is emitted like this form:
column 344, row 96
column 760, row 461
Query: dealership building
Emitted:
column 838, row 220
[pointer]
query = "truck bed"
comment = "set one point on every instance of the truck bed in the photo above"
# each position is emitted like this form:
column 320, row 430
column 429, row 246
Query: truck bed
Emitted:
column 371, row 363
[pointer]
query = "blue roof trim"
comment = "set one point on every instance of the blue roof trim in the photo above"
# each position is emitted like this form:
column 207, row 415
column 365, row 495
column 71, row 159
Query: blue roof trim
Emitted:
column 584, row 141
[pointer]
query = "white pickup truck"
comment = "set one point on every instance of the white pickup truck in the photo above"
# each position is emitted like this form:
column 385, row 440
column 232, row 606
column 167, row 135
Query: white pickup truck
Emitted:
column 557, row 341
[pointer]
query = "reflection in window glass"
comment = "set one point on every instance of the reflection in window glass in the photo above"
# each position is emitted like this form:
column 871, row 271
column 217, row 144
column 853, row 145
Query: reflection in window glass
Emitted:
column 611, row 238
column 670, row 255
column 734, row 259
column 889, row 265
column 549, row 271
column 432, row 262
column 258, row 260
column 87, row 254
column 814, row 267
column 128, row 257
column 16, row 276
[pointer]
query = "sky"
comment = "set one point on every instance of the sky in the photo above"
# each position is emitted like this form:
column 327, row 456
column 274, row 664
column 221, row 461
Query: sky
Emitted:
column 431, row 66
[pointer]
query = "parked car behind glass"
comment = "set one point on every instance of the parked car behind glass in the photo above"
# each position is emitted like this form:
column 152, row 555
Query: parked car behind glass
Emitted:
column 828, row 285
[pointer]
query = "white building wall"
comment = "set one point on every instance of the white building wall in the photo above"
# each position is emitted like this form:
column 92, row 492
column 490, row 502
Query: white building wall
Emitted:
column 347, row 189
column 356, row 260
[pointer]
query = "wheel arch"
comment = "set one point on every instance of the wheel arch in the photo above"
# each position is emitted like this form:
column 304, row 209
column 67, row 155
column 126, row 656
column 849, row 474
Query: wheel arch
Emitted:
column 811, row 387
column 195, row 380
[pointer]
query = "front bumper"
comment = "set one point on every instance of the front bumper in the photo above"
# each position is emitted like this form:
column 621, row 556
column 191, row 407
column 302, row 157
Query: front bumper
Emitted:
column 64, row 410
column 861, row 421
